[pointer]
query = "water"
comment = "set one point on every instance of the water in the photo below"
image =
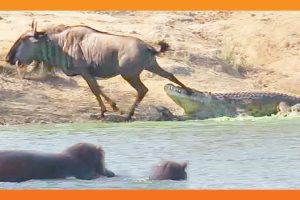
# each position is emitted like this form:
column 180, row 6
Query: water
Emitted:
column 224, row 153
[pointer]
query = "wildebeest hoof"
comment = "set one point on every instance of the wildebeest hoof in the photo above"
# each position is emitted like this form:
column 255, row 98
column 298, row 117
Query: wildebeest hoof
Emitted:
column 112, row 118
column 128, row 119
column 115, row 108
column 97, row 116
column 129, row 116
column 102, row 114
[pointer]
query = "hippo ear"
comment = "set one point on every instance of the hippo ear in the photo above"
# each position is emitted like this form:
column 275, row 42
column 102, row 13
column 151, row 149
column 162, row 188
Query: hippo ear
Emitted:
column 184, row 165
column 80, row 150
column 101, row 151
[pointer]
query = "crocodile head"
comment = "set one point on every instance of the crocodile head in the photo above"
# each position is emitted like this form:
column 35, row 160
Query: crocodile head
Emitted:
column 190, row 102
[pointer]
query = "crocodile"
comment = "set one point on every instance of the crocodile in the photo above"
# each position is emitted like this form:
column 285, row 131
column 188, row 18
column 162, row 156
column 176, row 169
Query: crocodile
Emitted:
column 202, row 105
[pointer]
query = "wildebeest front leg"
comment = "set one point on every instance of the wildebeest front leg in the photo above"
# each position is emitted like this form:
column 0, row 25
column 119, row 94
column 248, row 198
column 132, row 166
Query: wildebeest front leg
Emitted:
column 91, row 81
column 141, row 89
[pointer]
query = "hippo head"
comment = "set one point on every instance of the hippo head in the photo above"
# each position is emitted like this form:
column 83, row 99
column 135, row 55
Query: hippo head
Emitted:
column 169, row 170
column 91, row 156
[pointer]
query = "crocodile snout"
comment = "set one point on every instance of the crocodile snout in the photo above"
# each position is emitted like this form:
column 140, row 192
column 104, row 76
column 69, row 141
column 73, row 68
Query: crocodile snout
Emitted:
column 170, row 88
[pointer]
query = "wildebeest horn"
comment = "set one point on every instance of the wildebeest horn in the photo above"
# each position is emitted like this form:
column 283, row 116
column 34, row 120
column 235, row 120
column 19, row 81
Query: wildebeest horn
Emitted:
column 33, row 26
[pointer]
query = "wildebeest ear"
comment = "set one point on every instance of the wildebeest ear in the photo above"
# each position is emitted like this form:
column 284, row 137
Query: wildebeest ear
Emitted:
column 32, row 24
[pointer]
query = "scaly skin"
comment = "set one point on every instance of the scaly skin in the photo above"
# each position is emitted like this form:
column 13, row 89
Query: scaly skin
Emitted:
column 203, row 105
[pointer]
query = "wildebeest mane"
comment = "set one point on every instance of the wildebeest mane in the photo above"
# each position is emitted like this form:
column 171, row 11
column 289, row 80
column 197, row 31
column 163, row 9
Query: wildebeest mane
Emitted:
column 69, row 40
column 61, row 27
column 55, row 29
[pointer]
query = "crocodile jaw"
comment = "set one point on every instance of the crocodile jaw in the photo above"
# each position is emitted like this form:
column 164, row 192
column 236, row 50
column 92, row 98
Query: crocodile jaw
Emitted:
column 189, row 102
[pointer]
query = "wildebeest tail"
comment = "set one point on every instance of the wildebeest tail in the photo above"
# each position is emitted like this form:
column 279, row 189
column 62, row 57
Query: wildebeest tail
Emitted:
column 164, row 46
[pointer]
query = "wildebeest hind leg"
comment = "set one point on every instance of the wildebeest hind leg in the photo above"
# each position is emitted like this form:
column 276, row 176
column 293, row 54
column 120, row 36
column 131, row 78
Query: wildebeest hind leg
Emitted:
column 91, row 81
column 141, row 89
column 155, row 68
column 111, row 102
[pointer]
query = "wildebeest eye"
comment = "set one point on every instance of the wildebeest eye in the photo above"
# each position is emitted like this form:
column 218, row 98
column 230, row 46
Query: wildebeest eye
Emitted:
column 33, row 39
column 40, row 35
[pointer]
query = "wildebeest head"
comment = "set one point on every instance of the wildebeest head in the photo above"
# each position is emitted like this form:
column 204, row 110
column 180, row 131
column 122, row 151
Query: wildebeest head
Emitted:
column 25, row 49
column 90, row 155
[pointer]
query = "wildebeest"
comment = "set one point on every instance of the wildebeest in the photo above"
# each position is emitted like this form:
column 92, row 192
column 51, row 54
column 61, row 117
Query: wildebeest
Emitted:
column 82, row 50
column 82, row 161
column 169, row 170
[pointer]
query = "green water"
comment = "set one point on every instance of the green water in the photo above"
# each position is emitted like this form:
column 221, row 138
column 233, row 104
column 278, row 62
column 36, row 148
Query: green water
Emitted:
column 222, row 153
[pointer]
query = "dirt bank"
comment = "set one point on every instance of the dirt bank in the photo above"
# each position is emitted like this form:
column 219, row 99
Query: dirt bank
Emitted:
column 211, row 51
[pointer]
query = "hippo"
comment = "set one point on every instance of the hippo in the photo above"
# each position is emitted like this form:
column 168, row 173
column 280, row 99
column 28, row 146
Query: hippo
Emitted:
column 82, row 161
column 169, row 170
